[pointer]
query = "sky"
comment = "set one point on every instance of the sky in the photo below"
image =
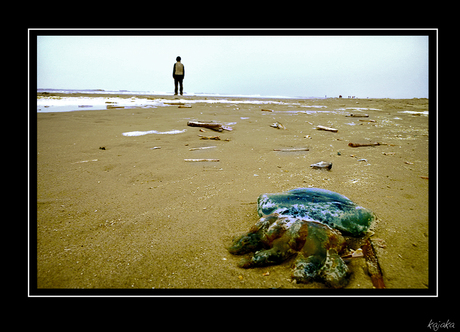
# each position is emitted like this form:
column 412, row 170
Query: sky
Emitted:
column 291, row 66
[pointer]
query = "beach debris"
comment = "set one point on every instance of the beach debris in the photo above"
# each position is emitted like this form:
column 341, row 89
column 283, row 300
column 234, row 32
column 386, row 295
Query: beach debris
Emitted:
column 211, row 125
column 278, row 125
column 366, row 120
column 307, row 136
column 216, row 138
column 363, row 160
column 388, row 153
column 322, row 165
column 292, row 150
column 373, row 266
column 424, row 177
column 173, row 103
column 155, row 148
column 358, row 253
column 203, row 148
column 114, row 106
column 185, row 106
column 326, row 128
column 102, row 148
column 408, row 163
column 266, row 274
column 266, row 110
column 355, row 145
column 141, row 133
column 201, row 160
column 84, row 161
column 358, row 115
column 308, row 222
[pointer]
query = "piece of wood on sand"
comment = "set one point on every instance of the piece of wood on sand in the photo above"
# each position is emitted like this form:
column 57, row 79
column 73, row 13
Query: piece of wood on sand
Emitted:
column 326, row 128
column 215, row 138
column 373, row 266
column 201, row 160
column 356, row 145
column 358, row 115
column 211, row 125
column 292, row 149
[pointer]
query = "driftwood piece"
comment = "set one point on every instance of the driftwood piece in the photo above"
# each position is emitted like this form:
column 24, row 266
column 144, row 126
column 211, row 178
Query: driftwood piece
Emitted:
column 216, row 138
column 355, row 145
column 373, row 266
column 358, row 115
column 200, row 160
column 327, row 128
column 292, row 150
column 185, row 106
column 211, row 125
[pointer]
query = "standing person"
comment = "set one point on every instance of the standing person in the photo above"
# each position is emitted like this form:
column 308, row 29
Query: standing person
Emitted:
column 178, row 75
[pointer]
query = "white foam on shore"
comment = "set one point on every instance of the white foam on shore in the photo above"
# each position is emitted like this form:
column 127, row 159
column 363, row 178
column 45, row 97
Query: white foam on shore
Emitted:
column 68, row 104
column 415, row 112
column 141, row 133
column 358, row 109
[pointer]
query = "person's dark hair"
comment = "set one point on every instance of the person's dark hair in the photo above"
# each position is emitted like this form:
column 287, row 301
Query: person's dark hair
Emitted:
column 178, row 58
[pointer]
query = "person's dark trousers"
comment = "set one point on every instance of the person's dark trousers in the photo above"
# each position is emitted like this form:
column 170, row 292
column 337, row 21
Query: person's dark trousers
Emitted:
column 178, row 79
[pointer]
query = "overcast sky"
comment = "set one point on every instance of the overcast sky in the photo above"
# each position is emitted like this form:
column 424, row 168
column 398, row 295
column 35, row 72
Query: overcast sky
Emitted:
column 307, row 66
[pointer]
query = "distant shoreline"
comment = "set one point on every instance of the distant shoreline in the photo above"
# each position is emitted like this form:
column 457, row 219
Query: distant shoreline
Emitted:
column 161, row 93
column 195, row 94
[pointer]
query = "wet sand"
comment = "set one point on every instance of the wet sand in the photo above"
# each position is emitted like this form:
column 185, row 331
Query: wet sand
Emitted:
column 136, row 215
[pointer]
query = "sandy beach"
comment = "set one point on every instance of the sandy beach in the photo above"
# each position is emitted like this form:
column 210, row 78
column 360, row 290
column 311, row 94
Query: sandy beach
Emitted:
column 120, row 211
